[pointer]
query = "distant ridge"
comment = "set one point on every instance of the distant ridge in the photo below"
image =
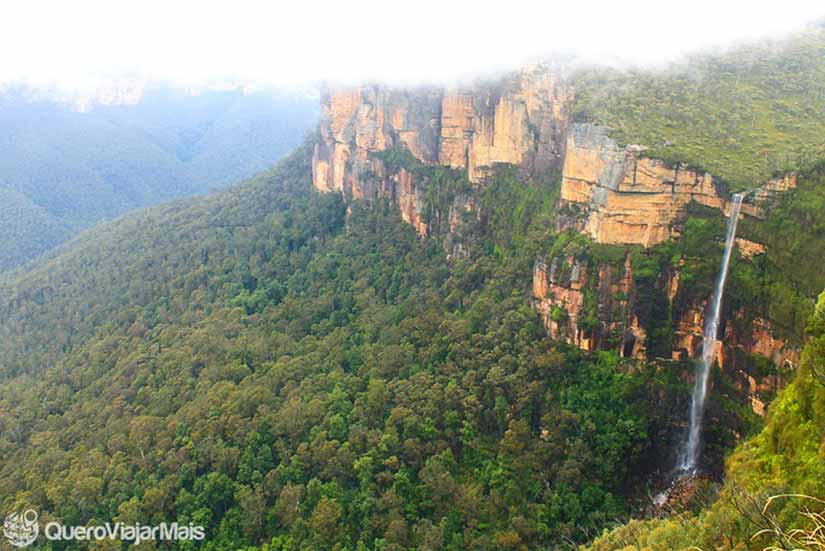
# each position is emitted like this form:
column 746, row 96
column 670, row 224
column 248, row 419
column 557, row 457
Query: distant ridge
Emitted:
column 72, row 161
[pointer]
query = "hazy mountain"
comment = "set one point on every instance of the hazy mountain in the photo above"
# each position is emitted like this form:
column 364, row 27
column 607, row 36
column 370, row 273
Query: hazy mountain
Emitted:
column 62, row 169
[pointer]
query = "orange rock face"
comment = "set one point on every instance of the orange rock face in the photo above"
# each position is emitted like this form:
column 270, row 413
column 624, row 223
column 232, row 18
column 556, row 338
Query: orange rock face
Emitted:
column 749, row 249
column 765, row 344
column 410, row 201
column 457, row 124
column 519, row 121
column 628, row 199
column 559, row 295
column 561, row 286
column 759, row 339
column 687, row 341
column 625, row 198
column 357, row 123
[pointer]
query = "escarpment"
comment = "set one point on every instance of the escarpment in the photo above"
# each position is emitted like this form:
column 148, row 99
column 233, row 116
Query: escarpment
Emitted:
column 403, row 145
column 587, row 304
column 623, row 198
column 598, row 304
column 617, row 196
column 614, row 194
column 518, row 121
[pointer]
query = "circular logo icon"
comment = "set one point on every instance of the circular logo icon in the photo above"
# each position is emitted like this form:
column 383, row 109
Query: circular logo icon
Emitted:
column 21, row 529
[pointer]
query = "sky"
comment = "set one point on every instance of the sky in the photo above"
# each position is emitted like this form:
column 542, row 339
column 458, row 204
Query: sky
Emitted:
column 85, row 44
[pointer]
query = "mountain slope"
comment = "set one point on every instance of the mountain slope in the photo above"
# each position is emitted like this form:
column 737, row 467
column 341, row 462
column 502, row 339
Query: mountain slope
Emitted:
column 260, row 362
column 77, row 168
column 297, row 370
column 33, row 228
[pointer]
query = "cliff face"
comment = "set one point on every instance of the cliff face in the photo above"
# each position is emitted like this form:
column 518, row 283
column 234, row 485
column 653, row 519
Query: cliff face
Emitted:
column 521, row 122
column 366, row 120
column 624, row 198
column 613, row 194
column 518, row 121
column 594, row 305
column 617, row 196
column 587, row 305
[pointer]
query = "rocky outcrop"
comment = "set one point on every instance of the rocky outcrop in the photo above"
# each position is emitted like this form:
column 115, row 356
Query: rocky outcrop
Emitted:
column 378, row 142
column 593, row 305
column 518, row 121
column 624, row 198
column 361, row 121
column 614, row 194
column 763, row 342
column 588, row 305
column 618, row 196
column 521, row 123
column 749, row 249
column 558, row 291
column 770, row 190
column 758, row 337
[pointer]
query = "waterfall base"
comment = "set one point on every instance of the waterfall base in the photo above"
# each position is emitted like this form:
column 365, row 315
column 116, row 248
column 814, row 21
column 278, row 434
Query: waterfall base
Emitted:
column 682, row 492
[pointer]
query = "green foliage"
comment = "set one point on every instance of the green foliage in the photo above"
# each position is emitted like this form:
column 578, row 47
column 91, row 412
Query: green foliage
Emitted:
column 62, row 170
column 519, row 215
column 398, row 157
column 299, row 373
column 740, row 115
column 653, row 307
column 787, row 279
column 442, row 185
column 786, row 457
column 297, row 377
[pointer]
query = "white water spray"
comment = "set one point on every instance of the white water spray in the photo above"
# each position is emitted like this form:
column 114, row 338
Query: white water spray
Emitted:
column 690, row 454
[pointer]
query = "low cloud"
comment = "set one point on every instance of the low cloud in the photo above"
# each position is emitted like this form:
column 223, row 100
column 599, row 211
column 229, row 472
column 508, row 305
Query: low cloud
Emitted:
column 79, row 45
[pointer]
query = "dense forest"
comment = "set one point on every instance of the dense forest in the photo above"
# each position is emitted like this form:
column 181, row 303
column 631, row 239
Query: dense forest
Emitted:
column 63, row 169
column 296, row 377
column 300, row 371
column 261, row 363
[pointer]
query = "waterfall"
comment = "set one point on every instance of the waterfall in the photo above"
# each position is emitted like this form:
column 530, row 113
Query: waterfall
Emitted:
column 690, row 452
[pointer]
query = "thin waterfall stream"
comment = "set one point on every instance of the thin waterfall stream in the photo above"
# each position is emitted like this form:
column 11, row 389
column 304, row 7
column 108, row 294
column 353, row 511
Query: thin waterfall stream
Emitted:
column 690, row 453
column 689, row 456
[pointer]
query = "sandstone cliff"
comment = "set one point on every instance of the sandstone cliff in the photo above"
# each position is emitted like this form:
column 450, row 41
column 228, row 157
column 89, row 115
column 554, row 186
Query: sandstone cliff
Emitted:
column 520, row 120
column 588, row 304
column 593, row 305
column 613, row 194
column 617, row 196
column 626, row 198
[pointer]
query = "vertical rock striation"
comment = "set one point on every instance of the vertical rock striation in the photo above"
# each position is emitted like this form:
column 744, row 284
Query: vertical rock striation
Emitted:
column 520, row 120
column 617, row 196
column 589, row 304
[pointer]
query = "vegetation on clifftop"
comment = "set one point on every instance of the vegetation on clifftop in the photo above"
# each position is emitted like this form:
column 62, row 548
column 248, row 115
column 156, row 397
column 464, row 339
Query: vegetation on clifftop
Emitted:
column 299, row 371
column 743, row 115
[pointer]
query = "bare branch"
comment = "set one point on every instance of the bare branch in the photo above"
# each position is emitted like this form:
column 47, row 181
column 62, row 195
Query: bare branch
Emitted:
column 811, row 538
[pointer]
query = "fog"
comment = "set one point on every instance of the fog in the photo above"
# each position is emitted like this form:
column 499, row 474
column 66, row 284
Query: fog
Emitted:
column 87, row 46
